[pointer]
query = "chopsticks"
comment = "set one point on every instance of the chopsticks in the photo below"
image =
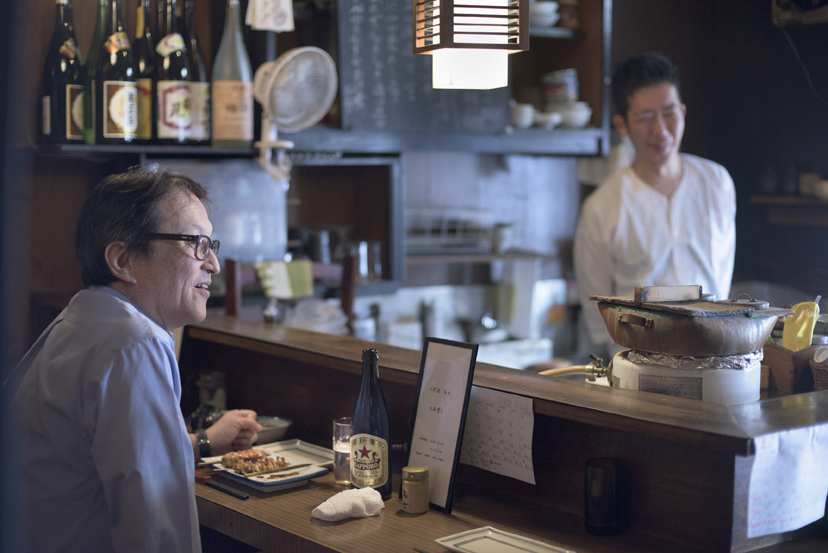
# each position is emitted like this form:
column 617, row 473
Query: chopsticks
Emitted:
column 268, row 471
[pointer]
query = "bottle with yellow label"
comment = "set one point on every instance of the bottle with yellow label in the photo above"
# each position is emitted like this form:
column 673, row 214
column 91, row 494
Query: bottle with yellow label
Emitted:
column 799, row 327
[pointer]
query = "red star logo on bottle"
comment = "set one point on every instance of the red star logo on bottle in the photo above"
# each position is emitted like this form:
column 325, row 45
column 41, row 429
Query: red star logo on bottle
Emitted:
column 364, row 451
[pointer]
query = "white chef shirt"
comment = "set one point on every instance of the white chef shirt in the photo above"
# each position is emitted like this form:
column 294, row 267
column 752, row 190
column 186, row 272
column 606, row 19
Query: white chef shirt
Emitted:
column 105, row 459
column 631, row 235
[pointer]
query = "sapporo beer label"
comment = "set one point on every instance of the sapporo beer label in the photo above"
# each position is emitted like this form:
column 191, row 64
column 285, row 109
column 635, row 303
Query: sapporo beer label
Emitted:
column 369, row 461
column 173, row 42
column 116, row 42
column 120, row 109
column 74, row 111
column 69, row 48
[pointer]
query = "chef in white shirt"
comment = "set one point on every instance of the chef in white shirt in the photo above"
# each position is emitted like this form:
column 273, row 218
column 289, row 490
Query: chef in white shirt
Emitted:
column 668, row 218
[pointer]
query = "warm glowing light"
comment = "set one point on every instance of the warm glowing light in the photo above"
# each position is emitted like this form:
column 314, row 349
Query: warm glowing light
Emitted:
column 464, row 68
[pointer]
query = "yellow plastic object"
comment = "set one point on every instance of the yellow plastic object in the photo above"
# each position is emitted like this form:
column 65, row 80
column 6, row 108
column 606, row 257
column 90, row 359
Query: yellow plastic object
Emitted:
column 799, row 327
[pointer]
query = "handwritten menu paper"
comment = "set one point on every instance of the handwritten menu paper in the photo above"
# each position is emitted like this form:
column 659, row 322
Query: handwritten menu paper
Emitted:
column 788, row 481
column 498, row 435
column 444, row 381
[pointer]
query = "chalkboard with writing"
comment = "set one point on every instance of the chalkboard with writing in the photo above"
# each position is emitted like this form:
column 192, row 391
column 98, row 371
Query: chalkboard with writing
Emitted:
column 385, row 87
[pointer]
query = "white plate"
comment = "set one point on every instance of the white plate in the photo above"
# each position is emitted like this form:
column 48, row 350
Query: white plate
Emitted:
column 492, row 540
column 295, row 452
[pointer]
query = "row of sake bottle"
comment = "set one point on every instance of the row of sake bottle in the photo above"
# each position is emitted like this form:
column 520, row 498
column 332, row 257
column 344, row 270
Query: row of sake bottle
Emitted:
column 141, row 92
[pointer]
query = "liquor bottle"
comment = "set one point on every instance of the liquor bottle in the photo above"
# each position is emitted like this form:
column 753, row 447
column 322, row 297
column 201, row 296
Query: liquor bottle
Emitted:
column 116, row 111
column 199, row 85
column 232, row 86
column 172, row 94
column 371, row 438
column 144, row 73
column 63, row 82
column 89, row 74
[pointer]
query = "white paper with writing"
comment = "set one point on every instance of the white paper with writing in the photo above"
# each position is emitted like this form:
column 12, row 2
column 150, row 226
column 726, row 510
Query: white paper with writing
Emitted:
column 439, row 414
column 788, row 481
column 270, row 15
column 498, row 435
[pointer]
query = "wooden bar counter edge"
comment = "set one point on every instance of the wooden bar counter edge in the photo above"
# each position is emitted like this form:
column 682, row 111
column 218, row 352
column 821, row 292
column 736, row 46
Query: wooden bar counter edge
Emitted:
column 686, row 463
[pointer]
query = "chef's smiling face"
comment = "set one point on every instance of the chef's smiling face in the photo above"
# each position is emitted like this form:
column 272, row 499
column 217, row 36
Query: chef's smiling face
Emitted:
column 654, row 123
column 171, row 283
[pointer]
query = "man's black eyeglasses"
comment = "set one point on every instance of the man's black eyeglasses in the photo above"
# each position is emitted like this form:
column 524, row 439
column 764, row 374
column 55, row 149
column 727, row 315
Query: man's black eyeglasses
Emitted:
column 201, row 243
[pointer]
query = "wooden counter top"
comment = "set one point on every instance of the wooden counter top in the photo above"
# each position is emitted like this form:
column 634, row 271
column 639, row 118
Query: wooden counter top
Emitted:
column 719, row 427
column 687, row 463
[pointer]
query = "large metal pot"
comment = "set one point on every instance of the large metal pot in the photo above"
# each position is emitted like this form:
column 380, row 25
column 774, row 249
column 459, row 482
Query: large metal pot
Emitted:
column 697, row 328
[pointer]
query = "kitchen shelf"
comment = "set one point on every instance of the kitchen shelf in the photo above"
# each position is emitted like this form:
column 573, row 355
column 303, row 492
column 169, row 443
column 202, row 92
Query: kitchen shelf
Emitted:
column 582, row 142
column 468, row 258
column 148, row 149
column 554, row 32
column 559, row 141
column 794, row 210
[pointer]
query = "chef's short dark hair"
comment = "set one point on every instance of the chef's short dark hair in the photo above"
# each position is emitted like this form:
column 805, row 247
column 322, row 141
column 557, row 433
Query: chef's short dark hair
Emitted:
column 640, row 71
column 124, row 208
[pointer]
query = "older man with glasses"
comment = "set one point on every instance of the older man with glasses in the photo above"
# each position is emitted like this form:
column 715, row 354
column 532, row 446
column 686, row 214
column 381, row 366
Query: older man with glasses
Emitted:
column 105, row 458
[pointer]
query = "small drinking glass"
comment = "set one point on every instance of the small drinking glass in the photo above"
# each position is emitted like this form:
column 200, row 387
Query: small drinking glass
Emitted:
column 342, row 430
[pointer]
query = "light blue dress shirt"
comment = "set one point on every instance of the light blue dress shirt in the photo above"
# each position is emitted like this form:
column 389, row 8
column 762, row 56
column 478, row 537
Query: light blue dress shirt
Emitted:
column 105, row 458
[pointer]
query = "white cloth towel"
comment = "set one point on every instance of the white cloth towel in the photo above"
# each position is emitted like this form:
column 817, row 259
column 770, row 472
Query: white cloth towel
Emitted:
column 366, row 502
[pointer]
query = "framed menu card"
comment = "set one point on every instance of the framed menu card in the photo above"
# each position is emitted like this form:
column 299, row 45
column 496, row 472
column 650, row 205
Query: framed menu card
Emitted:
column 443, row 389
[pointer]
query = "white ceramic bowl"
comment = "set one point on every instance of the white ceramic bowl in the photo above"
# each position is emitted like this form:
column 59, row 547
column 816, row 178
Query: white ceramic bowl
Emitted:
column 547, row 119
column 543, row 14
column 274, row 429
column 575, row 115
column 543, row 7
column 523, row 115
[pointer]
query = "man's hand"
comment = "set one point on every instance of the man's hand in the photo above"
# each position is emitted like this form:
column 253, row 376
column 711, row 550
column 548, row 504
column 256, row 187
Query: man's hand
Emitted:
column 235, row 430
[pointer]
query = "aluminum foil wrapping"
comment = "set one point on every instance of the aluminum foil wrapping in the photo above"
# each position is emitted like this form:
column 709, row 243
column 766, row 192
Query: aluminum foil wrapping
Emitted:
column 735, row 362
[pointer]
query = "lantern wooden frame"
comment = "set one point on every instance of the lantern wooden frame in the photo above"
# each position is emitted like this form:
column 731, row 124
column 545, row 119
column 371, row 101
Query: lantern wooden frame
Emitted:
column 436, row 25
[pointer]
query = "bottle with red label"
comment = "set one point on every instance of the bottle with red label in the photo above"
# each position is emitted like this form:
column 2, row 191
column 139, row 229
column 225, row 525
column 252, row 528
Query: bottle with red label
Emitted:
column 371, row 437
column 116, row 92
column 63, row 82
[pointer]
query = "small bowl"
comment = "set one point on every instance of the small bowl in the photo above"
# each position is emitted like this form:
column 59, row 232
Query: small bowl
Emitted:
column 547, row 119
column 543, row 14
column 273, row 429
column 575, row 115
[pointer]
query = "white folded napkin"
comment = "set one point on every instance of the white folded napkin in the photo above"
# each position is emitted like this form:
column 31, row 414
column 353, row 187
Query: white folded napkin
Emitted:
column 365, row 502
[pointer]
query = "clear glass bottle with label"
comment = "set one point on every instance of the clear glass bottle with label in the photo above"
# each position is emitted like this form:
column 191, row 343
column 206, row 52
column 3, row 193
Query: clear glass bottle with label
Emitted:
column 232, row 93
column 371, row 438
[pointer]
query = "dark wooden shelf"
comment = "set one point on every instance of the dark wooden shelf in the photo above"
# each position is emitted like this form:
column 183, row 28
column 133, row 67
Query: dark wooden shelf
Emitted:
column 149, row 150
column 560, row 141
column 794, row 210
column 554, row 32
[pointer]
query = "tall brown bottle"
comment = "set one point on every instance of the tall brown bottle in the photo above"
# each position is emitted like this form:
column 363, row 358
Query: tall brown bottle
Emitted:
column 173, row 103
column 199, row 84
column 145, row 73
column 63, row 82
column 116, row 92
